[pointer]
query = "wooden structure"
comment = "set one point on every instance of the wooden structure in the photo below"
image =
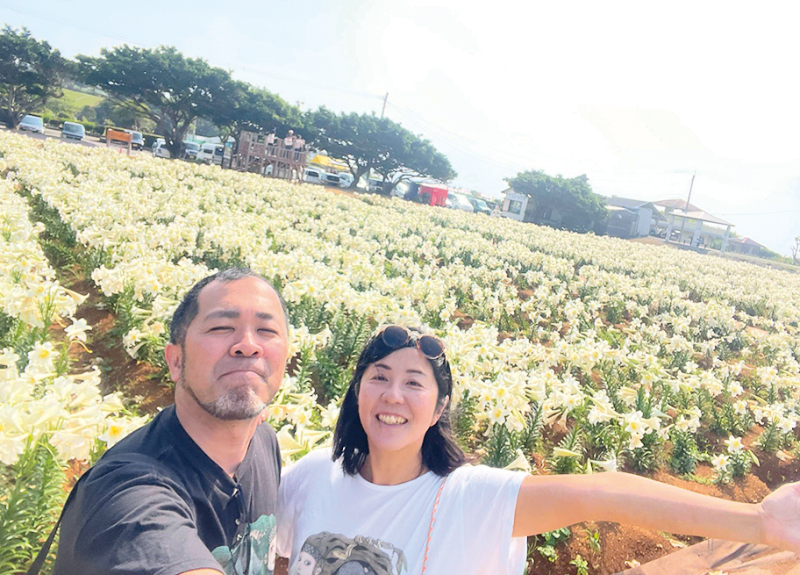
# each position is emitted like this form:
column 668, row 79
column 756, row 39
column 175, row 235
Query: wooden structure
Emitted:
column 257, row 153
column 119, row 136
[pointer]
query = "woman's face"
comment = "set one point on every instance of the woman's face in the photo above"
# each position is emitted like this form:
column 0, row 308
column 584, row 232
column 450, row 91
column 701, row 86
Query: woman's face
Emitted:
column 397, row 402
column 304, row 564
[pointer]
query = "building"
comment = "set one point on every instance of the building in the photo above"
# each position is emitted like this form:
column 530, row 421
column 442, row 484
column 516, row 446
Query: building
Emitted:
column 524, row 209
column 748, row 246
column 693, row 226
column 670, row 205
column 630, row 218
column 513, row 205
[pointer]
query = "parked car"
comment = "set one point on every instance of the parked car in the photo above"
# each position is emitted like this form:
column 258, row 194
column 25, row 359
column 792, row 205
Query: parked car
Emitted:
column 313, row 176
column 375, row 185
column 345, row 179
column 479, row 205
column 331, row 179
column 211, row 153
column 189, row 150
column 458, row 202
column 73, row 131
column 160, row 149
column 137, row 140
column 31, row 124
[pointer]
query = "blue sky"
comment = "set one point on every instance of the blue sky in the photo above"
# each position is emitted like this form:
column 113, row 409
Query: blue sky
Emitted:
column 636, row 95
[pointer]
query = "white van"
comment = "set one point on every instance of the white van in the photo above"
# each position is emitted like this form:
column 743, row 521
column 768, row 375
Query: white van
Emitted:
column 331, row 179
column 211, row 153
column 345, row 179
column 160, row 148
column 314, row 176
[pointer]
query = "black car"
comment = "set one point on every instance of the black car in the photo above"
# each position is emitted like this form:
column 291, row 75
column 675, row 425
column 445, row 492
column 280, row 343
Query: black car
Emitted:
column 137, row 140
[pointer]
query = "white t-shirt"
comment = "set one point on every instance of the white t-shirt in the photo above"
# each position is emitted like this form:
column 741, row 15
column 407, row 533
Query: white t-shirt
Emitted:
column 333, row 523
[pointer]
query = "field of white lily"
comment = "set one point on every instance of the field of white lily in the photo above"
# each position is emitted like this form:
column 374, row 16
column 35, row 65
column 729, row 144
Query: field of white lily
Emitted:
column 570, row 352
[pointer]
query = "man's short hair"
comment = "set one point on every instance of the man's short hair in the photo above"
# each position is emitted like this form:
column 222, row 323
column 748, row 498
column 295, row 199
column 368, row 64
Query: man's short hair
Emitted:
column 188, row 308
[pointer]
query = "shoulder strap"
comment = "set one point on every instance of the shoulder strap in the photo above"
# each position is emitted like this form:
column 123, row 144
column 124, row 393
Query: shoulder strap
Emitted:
column 37, row 564
column 430, row 526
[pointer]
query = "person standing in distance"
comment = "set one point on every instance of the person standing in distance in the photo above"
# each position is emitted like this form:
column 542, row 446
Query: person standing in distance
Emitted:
column 195, row 490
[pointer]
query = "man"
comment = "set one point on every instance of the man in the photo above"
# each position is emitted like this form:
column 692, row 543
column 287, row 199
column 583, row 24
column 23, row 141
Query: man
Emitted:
column 195, row 490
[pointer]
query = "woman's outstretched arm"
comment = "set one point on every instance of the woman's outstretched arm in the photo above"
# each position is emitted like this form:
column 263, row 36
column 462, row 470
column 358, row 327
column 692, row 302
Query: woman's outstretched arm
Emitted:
column 546, row 503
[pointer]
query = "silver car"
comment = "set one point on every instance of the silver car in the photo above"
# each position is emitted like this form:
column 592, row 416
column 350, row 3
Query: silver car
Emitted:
column 32, row 124
column 458, row 202
column 73, row 130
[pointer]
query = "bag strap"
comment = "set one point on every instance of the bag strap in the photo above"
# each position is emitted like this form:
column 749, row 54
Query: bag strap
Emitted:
column 430, row 526
column 38, row 563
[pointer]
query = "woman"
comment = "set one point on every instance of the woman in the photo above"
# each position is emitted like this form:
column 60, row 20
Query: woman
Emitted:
column 396, row 497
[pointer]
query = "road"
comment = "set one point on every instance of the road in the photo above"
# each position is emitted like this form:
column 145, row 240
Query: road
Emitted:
column 88, row 141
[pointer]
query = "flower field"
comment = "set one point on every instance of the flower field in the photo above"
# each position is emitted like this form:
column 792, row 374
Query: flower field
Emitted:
column 571, row 353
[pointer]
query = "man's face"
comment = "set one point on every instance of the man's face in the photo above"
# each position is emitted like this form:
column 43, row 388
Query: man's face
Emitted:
column 234, row 356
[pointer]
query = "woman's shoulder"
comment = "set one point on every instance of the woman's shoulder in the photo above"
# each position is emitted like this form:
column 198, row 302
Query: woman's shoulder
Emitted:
column 483, row 475
column 479, row 487
column 314, row 462
column 316, row 458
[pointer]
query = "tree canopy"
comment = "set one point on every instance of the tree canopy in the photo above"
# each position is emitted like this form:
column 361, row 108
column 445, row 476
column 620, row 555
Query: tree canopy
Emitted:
column 162, row 84
column 255, row 109
column 366, row 142
column 31, row 72
column 579, row 208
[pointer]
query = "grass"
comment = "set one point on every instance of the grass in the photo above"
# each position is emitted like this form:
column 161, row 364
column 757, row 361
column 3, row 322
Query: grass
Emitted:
column 78, row 100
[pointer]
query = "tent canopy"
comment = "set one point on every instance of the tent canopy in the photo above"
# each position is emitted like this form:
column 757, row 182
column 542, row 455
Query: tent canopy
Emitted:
column 329, row 163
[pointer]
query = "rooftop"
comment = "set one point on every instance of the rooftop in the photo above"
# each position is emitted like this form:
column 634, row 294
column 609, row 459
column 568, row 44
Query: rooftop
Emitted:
column 677, row 205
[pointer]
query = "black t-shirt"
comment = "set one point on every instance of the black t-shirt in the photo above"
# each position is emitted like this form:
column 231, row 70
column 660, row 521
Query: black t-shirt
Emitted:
column 156, row 504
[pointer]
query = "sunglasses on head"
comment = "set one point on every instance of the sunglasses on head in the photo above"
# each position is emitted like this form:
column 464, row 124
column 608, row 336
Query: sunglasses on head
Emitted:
column 396, row 336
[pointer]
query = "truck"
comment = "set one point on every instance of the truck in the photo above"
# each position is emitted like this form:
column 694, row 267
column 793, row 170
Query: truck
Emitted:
column 211, row 153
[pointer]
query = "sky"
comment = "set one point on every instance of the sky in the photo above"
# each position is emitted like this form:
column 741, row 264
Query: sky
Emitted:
column 639, row 96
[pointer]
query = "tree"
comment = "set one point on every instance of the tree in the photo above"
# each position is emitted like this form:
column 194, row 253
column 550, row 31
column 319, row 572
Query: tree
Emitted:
column 367, row 142
column 111, row 113
column 31, row 72
column 161, row 84
column 796, row 251
column 254, row 109
column 578, row 207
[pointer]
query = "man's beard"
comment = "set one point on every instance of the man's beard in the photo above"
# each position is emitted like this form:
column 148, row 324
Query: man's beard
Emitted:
column 238, row 404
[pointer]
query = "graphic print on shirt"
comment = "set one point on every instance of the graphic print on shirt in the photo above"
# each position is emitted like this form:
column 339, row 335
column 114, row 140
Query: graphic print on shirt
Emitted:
column 335, row 554
column 255, row 553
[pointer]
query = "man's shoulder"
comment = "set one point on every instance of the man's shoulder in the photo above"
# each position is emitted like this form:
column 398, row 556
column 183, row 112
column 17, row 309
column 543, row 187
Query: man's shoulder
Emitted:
column 147, row 452
column 265, row 432
column 266, row 441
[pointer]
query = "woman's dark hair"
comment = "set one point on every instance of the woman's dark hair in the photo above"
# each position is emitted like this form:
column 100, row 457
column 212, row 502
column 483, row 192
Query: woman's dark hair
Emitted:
column 440, row 452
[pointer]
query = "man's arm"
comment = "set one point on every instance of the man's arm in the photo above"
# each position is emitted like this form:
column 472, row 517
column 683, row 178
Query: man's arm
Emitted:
column 546, row 503
column 126, row 518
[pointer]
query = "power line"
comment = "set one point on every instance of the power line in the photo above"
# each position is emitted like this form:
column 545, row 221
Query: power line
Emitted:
column 762, row 213
column 471, row 153
column 63, row 22
column 427, row 129
column 442, row 128
column 242, row 67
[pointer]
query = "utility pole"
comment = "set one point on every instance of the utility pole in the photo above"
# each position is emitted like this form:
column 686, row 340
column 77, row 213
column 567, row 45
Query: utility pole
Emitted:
column 385, row 98
column 689, row 199
column 686, row 207
column 383, row 111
